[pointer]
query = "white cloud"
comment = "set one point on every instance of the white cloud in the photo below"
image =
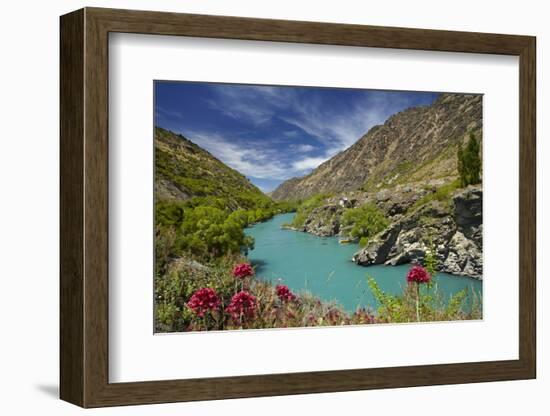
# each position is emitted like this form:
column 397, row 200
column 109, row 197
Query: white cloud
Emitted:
column 160, row 111
column 255, row 104
column 266, row 158
column 291, row 133
column 308, row 163
column 247, row 159
column 258, row 104
column 341, row 130
column 303, row 148
column 253, row 161
column 242, row 110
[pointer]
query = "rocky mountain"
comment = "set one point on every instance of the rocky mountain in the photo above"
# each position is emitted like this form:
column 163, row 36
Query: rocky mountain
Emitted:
column 417, row 144
column 184, row 170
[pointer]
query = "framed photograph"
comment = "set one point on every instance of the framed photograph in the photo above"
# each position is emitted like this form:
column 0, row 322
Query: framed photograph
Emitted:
column 255, row 207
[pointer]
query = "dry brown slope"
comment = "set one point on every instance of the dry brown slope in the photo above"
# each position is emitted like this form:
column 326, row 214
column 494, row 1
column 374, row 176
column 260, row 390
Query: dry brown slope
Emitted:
column 416, row 144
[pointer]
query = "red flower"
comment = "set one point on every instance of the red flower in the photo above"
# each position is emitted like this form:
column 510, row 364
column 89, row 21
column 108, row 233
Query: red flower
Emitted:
column 203, row 300
column 418, row 274
column 284, row 293
column 242, row 271
column 243, row 304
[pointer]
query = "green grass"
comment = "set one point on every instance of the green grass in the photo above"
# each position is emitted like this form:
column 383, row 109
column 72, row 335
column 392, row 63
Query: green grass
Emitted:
column 442, row 194
column 304, row 208
column 424, row 303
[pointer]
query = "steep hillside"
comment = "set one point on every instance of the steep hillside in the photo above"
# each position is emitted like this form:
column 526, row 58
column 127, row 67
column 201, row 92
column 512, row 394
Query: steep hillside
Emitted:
column 414, row 145
column 184, row 170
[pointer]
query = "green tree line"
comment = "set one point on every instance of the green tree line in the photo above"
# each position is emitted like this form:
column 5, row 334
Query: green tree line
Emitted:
column 469, row 162
column 206, row 228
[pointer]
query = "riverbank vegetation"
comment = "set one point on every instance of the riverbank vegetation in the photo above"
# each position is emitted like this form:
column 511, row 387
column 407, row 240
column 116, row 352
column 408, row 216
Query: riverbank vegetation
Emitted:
column 422, row 301
column 226, row 294
column 305, row 207
column 205, row 230
column 364, row 222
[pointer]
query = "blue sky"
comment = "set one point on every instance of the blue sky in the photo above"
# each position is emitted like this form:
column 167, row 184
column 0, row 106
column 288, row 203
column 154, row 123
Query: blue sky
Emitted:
column 273, row 133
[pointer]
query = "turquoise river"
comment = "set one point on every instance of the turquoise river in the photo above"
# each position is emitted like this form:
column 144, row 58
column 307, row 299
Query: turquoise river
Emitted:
column 323, row 266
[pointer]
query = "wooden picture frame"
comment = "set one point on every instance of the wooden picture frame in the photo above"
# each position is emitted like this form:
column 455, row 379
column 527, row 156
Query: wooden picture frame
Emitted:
column 84, row 207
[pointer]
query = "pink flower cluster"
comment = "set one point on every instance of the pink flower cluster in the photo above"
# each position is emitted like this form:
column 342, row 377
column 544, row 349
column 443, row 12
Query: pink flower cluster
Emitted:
column 418, row 274
column 243, row 304
column 242, row 271
column 203, row 301
column 284, row 293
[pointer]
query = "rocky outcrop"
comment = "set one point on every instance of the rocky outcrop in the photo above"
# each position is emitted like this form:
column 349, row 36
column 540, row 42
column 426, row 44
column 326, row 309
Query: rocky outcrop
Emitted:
column 324, row 221
column 468, row 206
column 399, row 199
column 167, row 190
column 417, row 144
column 465, row 255
column 453, row 229
column 407, row 239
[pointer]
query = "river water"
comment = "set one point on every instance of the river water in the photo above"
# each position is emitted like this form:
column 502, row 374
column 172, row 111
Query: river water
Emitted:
column 323, row 266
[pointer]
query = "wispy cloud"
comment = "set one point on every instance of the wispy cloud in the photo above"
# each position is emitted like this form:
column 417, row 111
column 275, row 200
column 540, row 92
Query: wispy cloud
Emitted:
column 257, row 161
column 162, row 113
column 252, row 104
column 308, row 163
column 291, row 133
column 247, row 158
column 341, row 130
column 273, row 133
column 259, row 104
column 302, row 148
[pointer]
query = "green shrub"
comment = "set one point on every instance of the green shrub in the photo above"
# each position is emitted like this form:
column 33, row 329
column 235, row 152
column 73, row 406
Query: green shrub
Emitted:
column 442, row 194
column 205, row 227
column 430, row 259
column 463, row 305
column 304, row 208
column 211, row 232
column 365, row 222
column 469, row 162
column 165, row 247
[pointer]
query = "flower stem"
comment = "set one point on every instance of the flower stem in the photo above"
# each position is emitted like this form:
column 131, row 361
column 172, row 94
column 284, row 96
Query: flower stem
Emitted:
column 417, row 302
